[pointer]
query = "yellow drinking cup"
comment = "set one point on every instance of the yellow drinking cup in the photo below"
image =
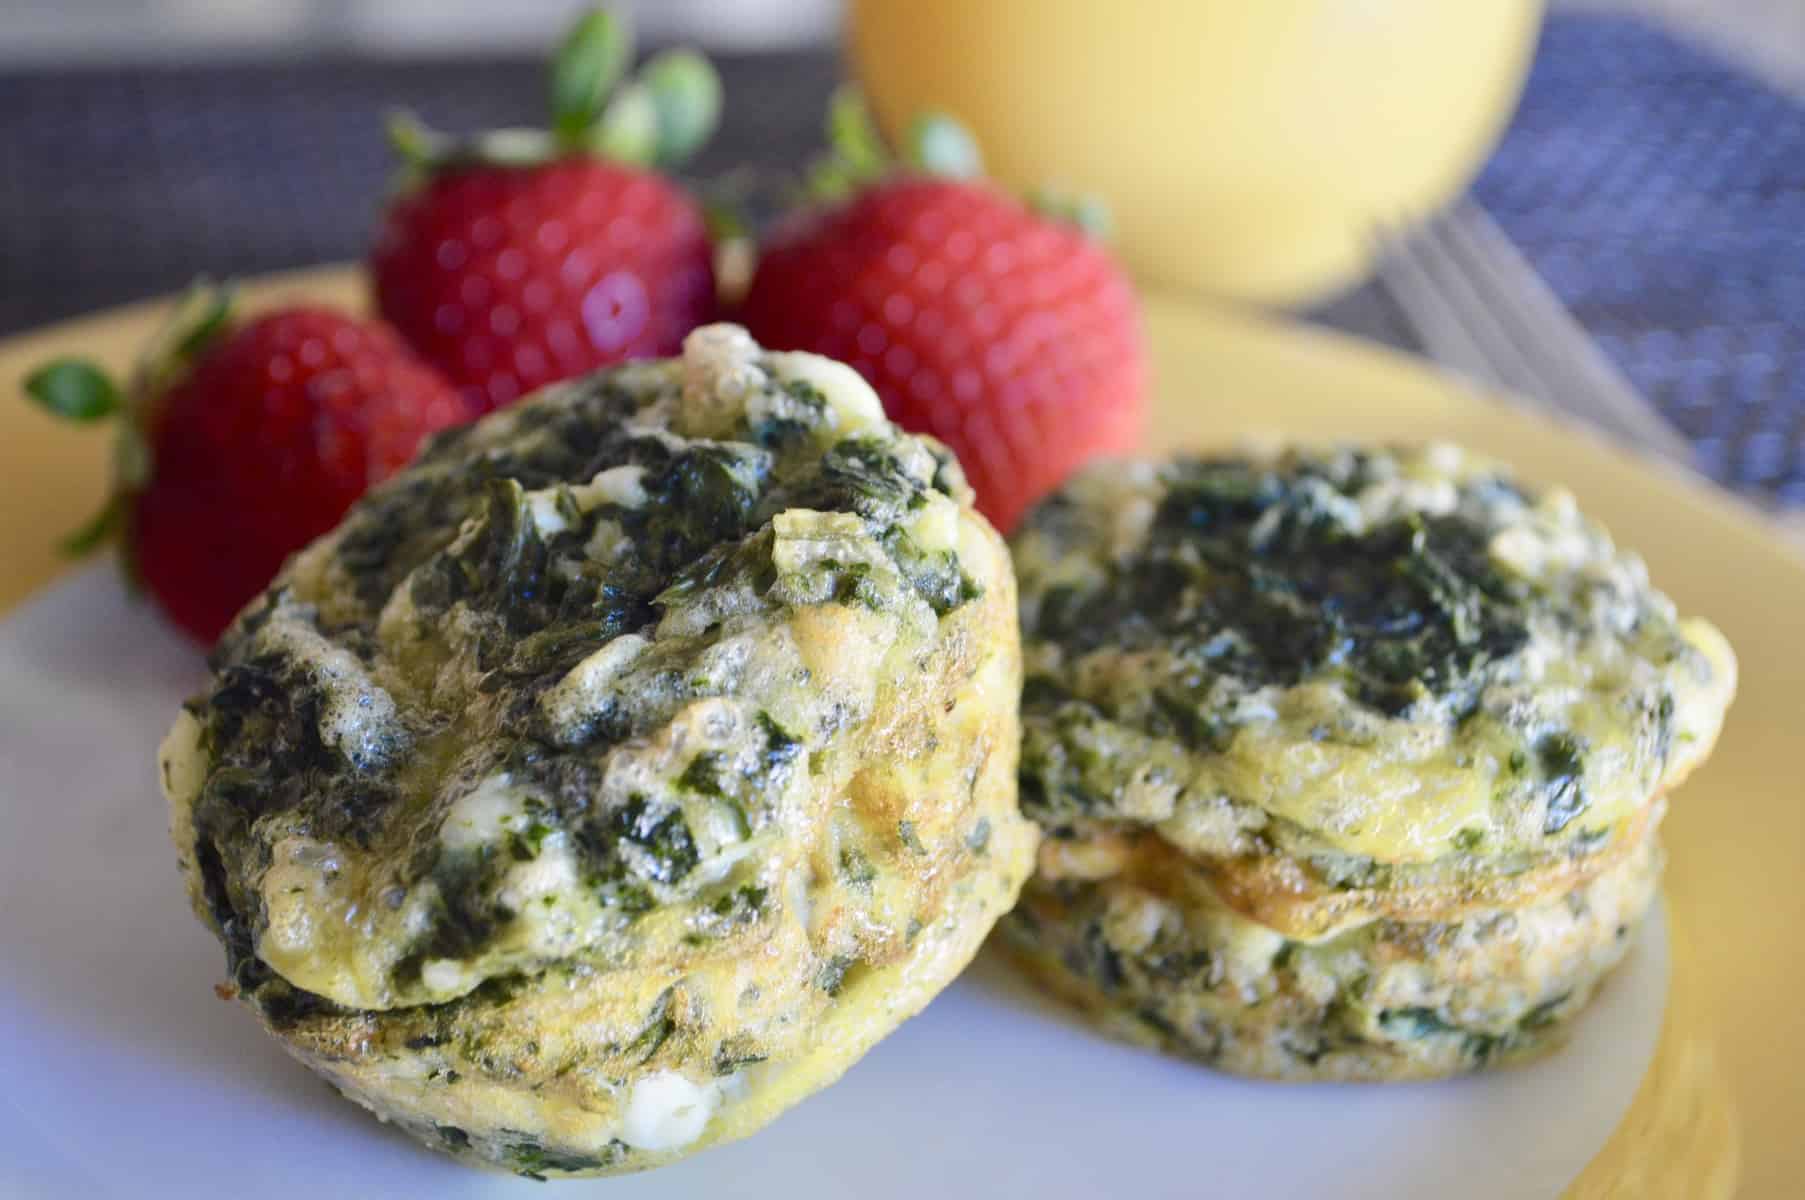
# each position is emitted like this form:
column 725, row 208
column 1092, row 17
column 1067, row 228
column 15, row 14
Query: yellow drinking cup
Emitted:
column 1247, row 148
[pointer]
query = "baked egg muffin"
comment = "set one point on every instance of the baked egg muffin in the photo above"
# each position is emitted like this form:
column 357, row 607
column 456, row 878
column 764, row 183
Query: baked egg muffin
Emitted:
column 1349, row 761
column 619, row 773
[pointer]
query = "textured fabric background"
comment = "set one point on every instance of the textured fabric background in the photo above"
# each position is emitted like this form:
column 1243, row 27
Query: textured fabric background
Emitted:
column 1661, row 192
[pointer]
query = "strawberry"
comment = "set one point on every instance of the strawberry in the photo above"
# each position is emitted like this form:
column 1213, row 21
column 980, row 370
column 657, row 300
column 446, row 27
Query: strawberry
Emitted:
column 240, row 443
column 521, row 257
column 1005, row 332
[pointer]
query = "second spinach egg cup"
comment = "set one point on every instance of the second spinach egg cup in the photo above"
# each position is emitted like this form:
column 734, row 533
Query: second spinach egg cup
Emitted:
column 1350, row 761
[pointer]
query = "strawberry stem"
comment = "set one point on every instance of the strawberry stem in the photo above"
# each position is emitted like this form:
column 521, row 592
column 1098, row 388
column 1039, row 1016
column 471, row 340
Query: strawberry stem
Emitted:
column 208, row 308
column 200, row 315
column 660, row 116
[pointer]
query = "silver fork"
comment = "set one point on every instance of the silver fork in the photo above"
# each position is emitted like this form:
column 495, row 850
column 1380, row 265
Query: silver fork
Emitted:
column 1481, row 309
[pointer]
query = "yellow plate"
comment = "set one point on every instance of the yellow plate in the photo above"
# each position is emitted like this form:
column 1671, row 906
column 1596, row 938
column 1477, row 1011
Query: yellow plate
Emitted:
column 1722, row 1097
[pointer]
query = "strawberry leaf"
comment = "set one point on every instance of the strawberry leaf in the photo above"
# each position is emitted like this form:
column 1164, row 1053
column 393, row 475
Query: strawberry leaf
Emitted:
column 98, row 530
column 588, row 65
column 686, row 92
column 74, row 389
column 941, row 146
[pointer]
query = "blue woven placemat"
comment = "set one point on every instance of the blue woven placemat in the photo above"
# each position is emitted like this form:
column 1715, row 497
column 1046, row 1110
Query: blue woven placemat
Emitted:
column 1662, row 193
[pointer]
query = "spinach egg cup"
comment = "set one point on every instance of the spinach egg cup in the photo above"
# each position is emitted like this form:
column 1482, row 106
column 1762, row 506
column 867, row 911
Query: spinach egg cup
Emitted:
column 619, row 773
column 1350, row 762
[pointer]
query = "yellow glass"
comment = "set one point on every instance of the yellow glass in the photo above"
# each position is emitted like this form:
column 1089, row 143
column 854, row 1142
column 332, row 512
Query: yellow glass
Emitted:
column 1247, row 148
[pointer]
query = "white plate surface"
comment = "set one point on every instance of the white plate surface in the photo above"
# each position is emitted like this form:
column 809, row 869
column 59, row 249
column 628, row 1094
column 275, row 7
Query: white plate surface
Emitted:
column 124, row 1075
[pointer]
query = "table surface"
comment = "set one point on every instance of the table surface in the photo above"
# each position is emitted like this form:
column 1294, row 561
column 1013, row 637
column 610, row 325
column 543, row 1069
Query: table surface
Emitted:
column 1660, row 191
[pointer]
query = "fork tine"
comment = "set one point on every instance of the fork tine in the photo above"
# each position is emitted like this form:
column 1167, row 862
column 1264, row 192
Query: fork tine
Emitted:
column 1479, row 307
column 1472, row 297
column 1411, row 268
column 1589, row 383
column 1416, row 293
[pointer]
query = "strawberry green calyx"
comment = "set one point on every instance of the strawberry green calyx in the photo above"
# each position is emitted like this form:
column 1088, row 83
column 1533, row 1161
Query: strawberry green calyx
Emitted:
column 75, row 390
column 80, row 391
column 935, row 144
column 659, row 116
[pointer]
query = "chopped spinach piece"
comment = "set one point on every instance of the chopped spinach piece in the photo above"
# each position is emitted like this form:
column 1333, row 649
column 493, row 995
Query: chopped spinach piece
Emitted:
column 1481, row 1046
column 1543, row 1014
column 524, row 845
column 1153, row 1019
column 781, row 747
column 808, row 408
column 654, row 844
column 658, row 1029
column 699, row 499
column 832, row 976
column 1414, row 1023
column 1261, row 559
column 744, row 903
column 856, row 869
column 736, row 1054
column 465, row 915
column 1561, row 757
column 500, row 566
column 703, row 775
column 532, row 1160
column 1094, row 958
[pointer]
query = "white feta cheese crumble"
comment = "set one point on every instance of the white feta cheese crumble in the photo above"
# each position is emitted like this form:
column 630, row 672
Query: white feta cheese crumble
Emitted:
column 667, row 1111
column 584, row 690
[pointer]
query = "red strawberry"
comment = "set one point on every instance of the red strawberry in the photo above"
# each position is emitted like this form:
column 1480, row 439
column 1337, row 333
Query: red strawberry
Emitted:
column 239, row 445
column 1011, row 336
column 521, row 257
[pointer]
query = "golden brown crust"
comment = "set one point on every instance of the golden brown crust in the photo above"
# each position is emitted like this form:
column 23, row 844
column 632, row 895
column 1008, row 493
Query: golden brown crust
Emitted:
column 1393, row 1000
column 1277, row 892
